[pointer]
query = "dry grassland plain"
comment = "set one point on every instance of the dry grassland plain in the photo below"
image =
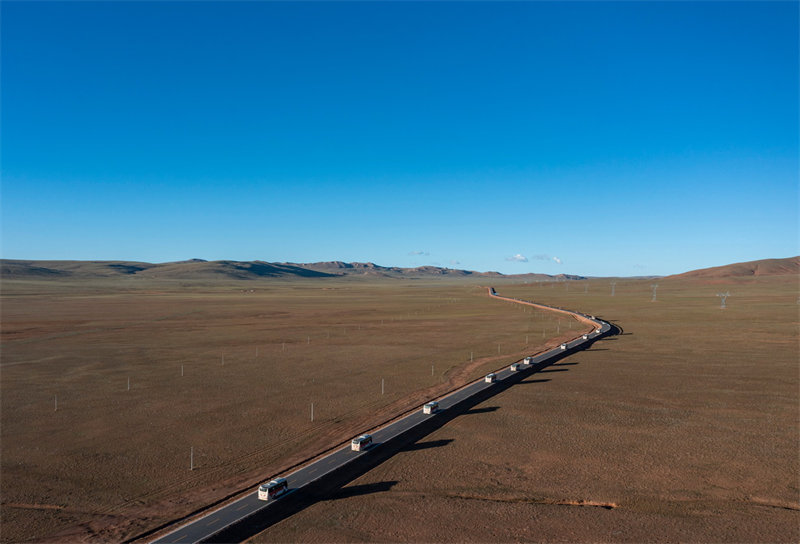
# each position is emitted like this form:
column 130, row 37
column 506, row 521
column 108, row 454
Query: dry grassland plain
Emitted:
column 108, row 385
column 682, row 429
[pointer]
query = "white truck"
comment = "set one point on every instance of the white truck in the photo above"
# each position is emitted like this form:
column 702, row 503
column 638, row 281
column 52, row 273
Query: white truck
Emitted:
column 431, row 407
column 490, row 378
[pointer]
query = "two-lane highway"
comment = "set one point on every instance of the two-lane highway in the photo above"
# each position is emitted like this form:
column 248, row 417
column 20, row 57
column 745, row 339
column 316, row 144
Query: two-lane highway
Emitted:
column 204, row 528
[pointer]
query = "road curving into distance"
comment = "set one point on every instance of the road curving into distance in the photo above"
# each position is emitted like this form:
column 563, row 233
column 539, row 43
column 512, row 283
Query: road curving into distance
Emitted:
column 247, row 515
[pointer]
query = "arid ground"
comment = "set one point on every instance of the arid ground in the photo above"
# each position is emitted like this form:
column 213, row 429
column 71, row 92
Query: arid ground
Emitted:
column 682, row 429
column 110, row 386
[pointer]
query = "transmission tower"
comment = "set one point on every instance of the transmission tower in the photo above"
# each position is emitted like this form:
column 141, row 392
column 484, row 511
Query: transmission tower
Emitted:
column 723, row 296
column 654, row 286
column 613, row 284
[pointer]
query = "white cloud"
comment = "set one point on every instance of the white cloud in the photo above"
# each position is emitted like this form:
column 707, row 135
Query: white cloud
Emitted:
column 557, row 260
column 419, row 253
column 519, row 258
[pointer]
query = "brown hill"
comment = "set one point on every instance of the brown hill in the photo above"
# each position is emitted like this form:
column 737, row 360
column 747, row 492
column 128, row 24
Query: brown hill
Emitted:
column 764, row 267
column 198, row 269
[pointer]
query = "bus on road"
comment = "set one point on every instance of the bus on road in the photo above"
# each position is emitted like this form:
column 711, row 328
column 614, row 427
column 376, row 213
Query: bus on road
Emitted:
column 430, row 408
column 273, row 489
column 361, row 443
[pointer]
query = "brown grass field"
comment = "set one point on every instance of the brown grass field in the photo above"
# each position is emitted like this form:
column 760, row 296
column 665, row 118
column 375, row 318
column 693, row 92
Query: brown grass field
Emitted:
column 682, row 429
column 228, row 368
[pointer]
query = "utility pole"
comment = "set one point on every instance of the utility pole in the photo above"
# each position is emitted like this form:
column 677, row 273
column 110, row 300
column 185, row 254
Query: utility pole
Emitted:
column 723, row 296
column 191, row 458
column 654, row 286
column 613, row 284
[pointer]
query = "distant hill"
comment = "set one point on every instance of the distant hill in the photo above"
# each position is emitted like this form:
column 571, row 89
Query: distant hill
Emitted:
column 198, row 269
column 765, row 267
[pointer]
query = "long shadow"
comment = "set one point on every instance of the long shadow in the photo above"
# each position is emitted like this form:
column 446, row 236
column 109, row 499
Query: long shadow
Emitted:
column 567, row 364
column 331, row 484
column 484, row 410
column 363, row 489
column 427, row 445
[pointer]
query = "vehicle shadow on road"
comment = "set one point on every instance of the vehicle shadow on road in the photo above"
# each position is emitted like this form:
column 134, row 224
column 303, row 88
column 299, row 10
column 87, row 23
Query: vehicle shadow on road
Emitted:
column 553, row 370
column 535, row 381
column 427, row 445
column 362, row 489
column 484, row 410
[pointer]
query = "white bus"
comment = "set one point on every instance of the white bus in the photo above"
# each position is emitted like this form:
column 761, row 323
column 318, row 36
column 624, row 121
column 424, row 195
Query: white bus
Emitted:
column 431, row 407
column 273, row 489
column 527, row 360
column 490, row 378
column 514, row 367
column 361, row 443
column 563, row 346
column 585, row 336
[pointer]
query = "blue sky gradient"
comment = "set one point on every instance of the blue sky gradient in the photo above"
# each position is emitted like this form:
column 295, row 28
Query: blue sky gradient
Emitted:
column 624, row 138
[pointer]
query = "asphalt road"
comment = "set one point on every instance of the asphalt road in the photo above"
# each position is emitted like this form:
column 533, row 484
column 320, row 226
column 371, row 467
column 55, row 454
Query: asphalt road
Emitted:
column 204, row 528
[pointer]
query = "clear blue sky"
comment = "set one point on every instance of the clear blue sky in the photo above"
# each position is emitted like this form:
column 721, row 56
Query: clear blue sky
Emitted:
column 622, row 138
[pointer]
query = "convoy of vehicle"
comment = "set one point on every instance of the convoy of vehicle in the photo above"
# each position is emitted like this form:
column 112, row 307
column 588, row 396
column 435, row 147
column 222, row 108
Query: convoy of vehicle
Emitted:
column 280, row 486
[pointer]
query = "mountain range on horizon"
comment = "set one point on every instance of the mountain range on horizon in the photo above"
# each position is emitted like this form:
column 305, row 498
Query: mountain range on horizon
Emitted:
column 236, row 270
column 200, row 269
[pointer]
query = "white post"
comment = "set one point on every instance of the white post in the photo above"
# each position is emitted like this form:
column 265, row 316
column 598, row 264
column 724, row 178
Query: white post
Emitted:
column 129, row 384
column 181, row 370
column 431, row 370
column 381, row 386
column 309, row 340
column 191, row 458
column 56, row 409
column 312, row 411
